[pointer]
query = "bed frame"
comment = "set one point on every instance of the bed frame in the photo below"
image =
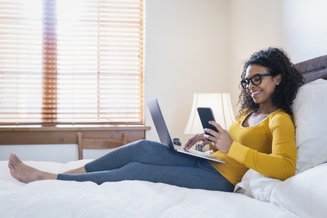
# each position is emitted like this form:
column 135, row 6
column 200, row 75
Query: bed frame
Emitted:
column 85, row 137
column 313, row 69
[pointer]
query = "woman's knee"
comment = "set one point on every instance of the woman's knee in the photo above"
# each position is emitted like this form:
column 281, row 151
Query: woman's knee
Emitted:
column 145, row 142
column 144, row 150
column 147, row 145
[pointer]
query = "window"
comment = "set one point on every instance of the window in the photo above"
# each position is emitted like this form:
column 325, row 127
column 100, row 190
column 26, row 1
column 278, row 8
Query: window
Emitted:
column 71, row 62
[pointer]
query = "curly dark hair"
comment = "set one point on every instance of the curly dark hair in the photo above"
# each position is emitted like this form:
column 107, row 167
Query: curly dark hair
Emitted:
column 277, row 62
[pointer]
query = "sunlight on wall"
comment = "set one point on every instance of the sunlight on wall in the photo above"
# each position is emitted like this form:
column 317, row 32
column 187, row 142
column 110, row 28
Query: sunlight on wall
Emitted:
column 304, row 28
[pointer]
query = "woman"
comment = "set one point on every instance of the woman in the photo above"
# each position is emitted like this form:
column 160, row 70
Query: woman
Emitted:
column 262, row 138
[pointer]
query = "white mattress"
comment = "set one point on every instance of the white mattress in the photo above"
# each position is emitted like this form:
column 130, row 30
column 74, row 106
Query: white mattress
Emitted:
column 121, row 199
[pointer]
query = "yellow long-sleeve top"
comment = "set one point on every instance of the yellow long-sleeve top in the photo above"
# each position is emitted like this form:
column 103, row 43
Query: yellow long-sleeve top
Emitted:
column 268, row 148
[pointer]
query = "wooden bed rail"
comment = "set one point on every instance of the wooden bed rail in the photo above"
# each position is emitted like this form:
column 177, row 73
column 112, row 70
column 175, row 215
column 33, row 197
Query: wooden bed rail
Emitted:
column 116, row 139
column 84, row 137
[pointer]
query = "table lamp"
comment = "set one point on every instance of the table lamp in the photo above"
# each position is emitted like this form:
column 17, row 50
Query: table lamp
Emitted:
column 220, row 103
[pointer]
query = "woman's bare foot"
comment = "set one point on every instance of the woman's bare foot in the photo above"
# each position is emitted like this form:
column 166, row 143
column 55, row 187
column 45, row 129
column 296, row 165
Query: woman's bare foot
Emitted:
column 25, row 173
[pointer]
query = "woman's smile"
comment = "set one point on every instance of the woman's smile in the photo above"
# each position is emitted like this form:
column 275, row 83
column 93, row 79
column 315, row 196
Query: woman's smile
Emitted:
column 255, row 94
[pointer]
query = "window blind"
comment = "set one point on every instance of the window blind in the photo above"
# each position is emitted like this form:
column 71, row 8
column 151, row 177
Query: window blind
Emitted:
column 71, row 62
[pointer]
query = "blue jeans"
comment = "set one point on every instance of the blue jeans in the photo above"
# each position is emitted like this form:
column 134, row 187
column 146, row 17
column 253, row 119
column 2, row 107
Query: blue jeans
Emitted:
column 154, row 162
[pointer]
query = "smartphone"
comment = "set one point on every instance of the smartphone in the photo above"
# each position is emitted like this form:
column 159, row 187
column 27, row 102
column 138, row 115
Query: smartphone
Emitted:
column 206, row 115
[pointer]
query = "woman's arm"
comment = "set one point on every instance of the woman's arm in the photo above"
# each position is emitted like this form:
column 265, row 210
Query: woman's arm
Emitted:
column 281, row 163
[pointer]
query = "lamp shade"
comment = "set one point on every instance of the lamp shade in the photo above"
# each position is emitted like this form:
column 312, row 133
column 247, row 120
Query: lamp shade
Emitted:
column 220, row 103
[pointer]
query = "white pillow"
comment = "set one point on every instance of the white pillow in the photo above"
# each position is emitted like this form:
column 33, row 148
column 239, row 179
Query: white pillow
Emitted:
column 256, row 185
column 310, row 117
column 305, row 194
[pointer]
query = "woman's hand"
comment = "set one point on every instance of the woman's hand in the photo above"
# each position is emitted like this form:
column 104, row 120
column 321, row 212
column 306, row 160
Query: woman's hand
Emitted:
column 221, row 140
column 195, row 140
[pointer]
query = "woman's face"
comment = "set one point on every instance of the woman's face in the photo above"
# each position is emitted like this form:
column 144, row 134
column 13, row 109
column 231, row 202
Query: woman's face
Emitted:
column 264, row 86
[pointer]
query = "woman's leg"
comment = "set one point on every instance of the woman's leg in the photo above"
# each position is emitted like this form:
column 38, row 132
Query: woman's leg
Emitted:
column 200, row 176
column 143, row 151
column 135, row 151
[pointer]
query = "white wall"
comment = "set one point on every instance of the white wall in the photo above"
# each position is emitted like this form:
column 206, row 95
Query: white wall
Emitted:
column 297, row 26
column 255, row 24
column 187, row 51
column 305, row 28
column 177, row 54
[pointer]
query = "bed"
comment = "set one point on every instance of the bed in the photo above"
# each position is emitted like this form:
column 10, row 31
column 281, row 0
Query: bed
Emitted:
column 304, row 195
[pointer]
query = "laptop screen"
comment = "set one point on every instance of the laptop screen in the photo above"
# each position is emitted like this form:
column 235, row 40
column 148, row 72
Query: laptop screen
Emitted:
column 159, row 122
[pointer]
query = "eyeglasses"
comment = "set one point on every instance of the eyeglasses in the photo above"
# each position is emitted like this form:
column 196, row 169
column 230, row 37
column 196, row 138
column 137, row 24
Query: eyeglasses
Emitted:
column 255, row 80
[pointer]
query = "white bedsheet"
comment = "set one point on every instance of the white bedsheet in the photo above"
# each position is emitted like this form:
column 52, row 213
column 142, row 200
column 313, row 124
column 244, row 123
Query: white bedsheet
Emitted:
column 121, row 199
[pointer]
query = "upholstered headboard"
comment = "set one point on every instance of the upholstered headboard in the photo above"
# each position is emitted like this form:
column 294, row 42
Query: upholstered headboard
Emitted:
column 313, row 69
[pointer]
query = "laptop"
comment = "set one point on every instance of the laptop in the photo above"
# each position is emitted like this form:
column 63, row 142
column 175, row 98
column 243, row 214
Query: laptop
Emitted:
column 164, row 135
